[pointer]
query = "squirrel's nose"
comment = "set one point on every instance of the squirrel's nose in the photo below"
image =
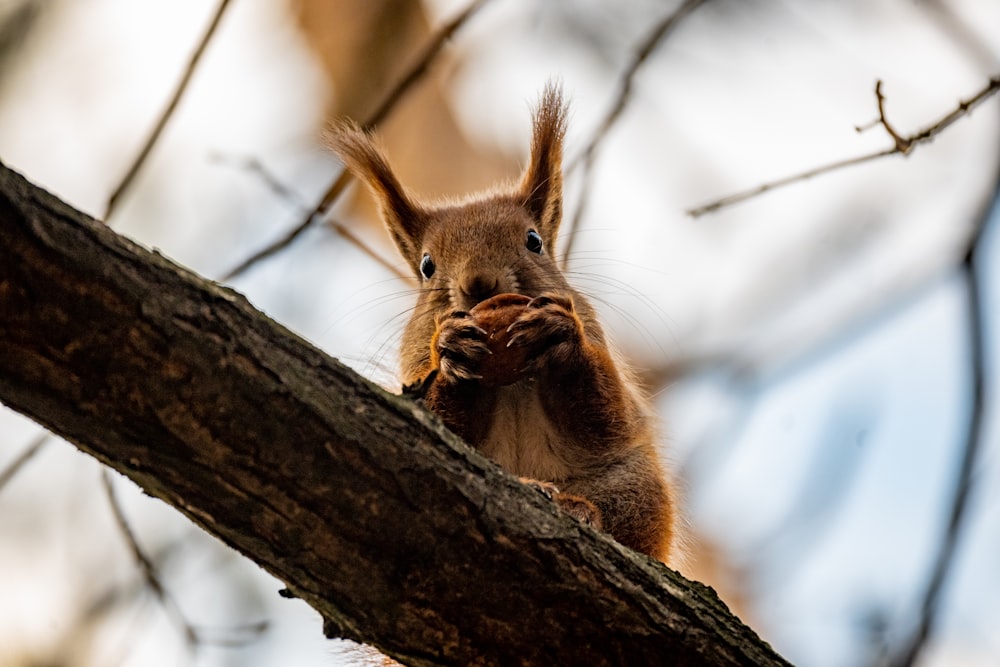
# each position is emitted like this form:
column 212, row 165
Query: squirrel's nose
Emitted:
column 479, row 287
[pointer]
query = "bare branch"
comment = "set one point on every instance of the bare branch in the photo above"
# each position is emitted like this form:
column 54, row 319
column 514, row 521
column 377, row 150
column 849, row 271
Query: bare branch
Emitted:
column 147, row 566
column 902, row 145
column 624, row 95
column 283, row 191
column 280, row 189
column 729, row 200
column 373, row 254
column 976, row 324
column 388, row 103
column 29, row 453
column 167, row 113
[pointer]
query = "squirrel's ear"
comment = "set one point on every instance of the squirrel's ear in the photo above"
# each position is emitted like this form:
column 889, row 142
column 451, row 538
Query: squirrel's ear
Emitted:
column 404, row 219
column 541, row 186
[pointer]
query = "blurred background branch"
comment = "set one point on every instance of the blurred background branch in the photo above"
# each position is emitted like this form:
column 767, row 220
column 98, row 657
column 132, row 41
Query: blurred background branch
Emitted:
column 626, row 81
column 964, row 485
column 167, row 113
column 386, row 104
column 147, row 567
column 22, row 459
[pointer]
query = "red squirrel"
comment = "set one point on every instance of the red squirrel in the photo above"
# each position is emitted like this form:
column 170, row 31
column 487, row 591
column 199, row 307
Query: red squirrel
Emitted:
column 572, row 421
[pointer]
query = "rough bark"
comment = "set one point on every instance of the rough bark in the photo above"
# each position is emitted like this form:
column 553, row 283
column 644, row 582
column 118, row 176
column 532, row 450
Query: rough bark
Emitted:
column 374, row 514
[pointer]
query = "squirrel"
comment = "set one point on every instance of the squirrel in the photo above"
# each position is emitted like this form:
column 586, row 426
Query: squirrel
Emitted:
column 572, row 421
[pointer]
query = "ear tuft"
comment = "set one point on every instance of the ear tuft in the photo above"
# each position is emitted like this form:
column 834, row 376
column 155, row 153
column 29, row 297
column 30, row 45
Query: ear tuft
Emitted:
column 541, row 185
column 364, row 158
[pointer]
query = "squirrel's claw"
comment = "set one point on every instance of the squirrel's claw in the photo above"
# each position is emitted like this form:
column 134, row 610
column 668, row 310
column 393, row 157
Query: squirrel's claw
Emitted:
column 548, row 321
column 460, row 345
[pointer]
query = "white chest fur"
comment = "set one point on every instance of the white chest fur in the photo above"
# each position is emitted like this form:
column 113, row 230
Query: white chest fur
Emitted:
column 522, row 439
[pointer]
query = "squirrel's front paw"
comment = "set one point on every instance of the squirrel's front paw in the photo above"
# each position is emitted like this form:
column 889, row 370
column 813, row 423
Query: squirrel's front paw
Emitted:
column 580, row 509
column 549, row 328
column 577, row 507
column 459, row 345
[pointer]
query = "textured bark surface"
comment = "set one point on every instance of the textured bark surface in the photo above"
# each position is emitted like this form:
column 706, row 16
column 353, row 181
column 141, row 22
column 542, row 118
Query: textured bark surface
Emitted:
column 368, row 509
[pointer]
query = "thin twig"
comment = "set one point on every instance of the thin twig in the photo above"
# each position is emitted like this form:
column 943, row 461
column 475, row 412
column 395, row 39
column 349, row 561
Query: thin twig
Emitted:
column 283, row 191
column 729, row 200
column 643, row 51
column 168, row 112
column 280, row 189
column 29, row 453
column 388, row 103
column 374, row 255
column 624, row 95
column 902, row 145
column 315, row 214
column 236, row 636
column 147, row 566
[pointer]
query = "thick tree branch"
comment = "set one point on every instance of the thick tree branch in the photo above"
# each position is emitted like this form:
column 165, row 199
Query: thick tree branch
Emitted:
column 369, row 510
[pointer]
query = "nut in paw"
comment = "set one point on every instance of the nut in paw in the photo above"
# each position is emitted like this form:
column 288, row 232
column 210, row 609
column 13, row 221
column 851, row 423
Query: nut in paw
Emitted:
column 505, row 364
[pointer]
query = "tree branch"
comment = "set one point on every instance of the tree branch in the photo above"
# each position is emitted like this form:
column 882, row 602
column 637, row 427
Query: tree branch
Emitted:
column 640, row 56
column 256, row 167
column 901, row 145
column 167, row 113
column 971, row 451
column 392, row 97
column 22, row 459
column 370, row 511
column 147, row 566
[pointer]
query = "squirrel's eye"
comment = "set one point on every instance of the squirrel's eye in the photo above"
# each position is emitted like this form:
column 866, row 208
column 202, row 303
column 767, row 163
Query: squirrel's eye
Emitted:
column 534, row 242
column 427, row 266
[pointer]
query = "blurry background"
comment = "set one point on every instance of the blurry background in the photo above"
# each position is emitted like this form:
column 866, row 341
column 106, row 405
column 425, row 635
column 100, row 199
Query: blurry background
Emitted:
column 818, row 365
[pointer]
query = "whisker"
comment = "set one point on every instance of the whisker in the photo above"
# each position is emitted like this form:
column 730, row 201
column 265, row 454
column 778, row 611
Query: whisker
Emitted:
column 386, row 337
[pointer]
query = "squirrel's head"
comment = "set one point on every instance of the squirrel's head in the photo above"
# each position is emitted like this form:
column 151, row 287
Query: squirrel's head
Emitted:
column 503, row 241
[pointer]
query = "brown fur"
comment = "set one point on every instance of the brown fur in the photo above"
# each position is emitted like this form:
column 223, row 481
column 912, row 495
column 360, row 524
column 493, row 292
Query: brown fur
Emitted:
column 576, row 422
